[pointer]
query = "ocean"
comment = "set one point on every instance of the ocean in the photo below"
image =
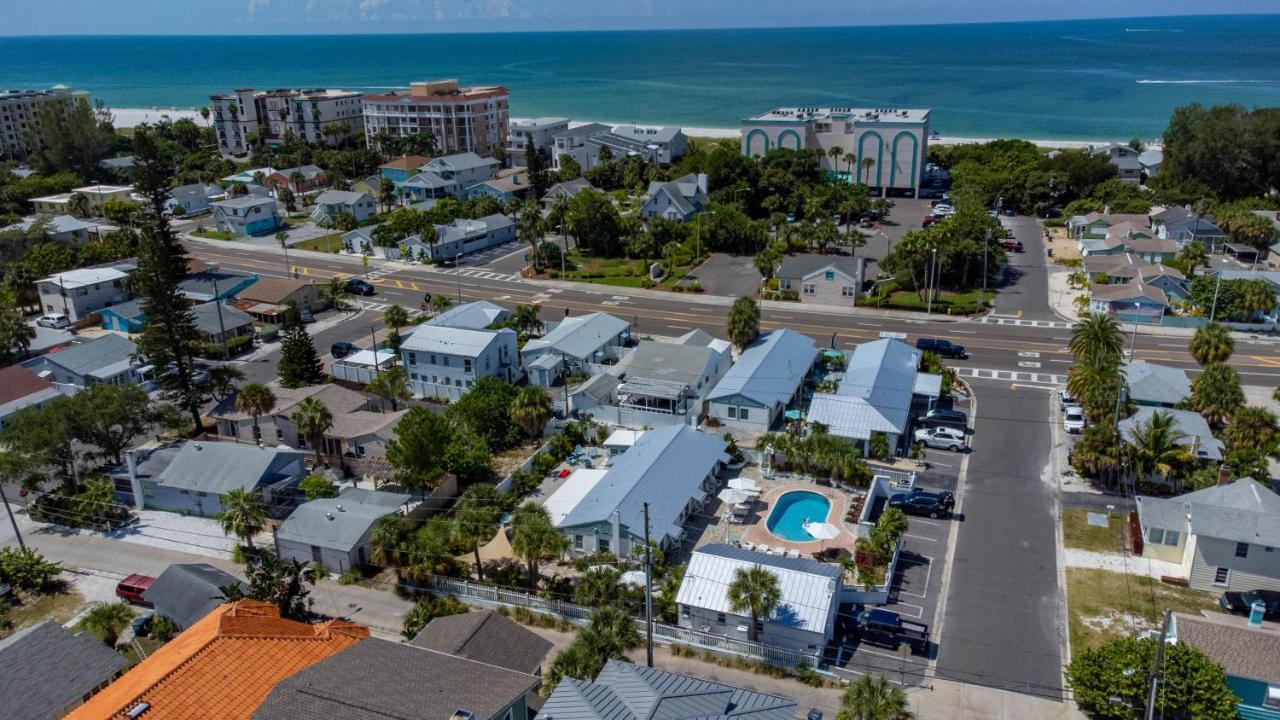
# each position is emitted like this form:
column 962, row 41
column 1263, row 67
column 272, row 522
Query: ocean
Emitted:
column 1094, row 79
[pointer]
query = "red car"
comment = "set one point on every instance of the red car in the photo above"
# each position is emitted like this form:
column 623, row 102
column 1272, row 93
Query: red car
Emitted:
column 131, row 588
column 1012, row 245
column 929, row 221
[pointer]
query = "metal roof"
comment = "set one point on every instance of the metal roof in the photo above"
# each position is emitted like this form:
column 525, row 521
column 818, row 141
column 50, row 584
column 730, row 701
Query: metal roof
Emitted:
column 461, row 161
column 452, row 341
column 85, row 276
column 795, row 267
column 579, row 336
column 218, row 467
column 665, row 468
column 338, row 522
column 1159, row 384
column 106, row 355
column 341, row 197
column 883, row 373
column 1192, row 425
column 1241, row 511
column 626, row 691
column 671, row 362
column 476, row 315
column 809, row 588
column 770, row 369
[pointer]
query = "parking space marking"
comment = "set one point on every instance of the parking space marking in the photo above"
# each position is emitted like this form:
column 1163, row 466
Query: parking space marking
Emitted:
column 919, row 613
column 918, row 537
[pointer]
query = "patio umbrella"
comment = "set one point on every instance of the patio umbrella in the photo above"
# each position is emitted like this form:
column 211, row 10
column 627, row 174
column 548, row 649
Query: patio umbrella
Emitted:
column 634, row 578
column 821, row 530
column 733, row 496
column 744, row 483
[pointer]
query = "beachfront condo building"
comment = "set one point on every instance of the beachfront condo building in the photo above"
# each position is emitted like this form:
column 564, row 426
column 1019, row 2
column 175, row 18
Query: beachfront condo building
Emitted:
column 316, row 116
column 540, row 131
column 883, row 148
column 19, row 115
column 461, row 119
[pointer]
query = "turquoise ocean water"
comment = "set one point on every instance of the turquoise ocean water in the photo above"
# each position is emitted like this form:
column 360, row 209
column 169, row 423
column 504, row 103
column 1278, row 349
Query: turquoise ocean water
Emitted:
column 1053, row 80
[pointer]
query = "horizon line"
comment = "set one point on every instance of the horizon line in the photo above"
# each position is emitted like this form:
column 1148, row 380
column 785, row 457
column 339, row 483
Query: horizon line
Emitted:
column 708, row 28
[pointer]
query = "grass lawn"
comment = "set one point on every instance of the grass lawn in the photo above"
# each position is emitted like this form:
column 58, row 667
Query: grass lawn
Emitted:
column 946, row 302
column 325, row 243
column 618, row 272
column 32, row 609
column 1102, row 605
column 1078, row 533
column 214, row 234
column 294, row 220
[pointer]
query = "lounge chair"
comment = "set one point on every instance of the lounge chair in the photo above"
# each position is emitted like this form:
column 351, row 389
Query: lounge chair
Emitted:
column 795, row 554
column 762, row 548
column 748, row 544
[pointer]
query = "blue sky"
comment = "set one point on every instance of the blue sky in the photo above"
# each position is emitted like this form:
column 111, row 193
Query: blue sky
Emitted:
column 239, row 17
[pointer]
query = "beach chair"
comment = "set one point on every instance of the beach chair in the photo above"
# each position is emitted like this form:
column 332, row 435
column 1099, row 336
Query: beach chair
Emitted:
column 748, row 544
column 795, row 554
column 762, row 547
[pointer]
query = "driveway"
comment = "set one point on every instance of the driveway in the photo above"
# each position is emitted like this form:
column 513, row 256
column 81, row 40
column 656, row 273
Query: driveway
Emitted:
column 727, row 275
column 1025, row 291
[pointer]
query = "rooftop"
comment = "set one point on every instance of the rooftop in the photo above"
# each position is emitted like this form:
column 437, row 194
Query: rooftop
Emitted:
column 476, row 315
column 47, row 670
column 452, row 341
column 861, row 115
column 809, row 588
column 667, row 362
column 487, row 637
column 102, row 357
column 338, row 399
column 337, row 522
column 247, row 201
column 801, row 266
column 272, row 289
column 1242, row 651
column 648, row 134
column 1151, row 383
column 1191, row 425
column 1241, row 511
column 580, row 336
column 875, row 394
column 340, row 197
column 769, row 370
column 85, row 276
column 219, row 467
column 406, row 162
column 460, row 161
column 186, row 592
column 20, row 384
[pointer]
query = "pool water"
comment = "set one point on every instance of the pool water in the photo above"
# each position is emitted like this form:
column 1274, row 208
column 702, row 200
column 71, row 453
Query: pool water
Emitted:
column 793, row 510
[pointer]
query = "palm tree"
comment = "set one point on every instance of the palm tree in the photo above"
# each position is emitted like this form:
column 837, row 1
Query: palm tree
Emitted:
column 78, row 205
column 609, row 633
column 475, row 520
column 531, row 230
column 1212, row 343
column 1257, row 296
column 756, row 591
column 255, row 400
column 335, row 291
column 386, row 193
column 867, row 164
column 872, row 697
column 1096, row 386
column 892, row 522
column 743, row 323
column 525, row 318
column 599, row 587
column 387, row 540
column 530, row 409
column 1195, row 256
column 1216, row 394
column 440, row 302
column 243, row 514
column 391, row 385
column 395, row 317
column 1157, row 447
column 204, row 113
column 534, row 538
column 106, row 620
column 835, row 152
column 1096, row 339
column 1252, row 427
column 96, row 500
column 312, row 420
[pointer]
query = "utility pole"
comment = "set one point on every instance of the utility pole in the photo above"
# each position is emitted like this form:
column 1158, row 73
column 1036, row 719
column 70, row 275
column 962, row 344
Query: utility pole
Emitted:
column 564, row 368
column 929, row 285
column 22, row 545
column 1155, row 671
column 373, row 334
column 985, row 249
column 648, row 591
column 222, row 328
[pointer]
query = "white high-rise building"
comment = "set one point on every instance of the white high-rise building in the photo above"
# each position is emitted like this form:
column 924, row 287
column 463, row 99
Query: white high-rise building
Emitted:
column 315, row 116
column 18, row 116
column 461, row 119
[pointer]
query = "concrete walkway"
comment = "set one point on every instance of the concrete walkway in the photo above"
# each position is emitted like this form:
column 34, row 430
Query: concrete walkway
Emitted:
column 1116, row 562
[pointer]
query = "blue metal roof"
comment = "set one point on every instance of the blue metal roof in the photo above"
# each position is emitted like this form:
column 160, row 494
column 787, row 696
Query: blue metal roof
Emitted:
column 770, row 369
column 884, row 374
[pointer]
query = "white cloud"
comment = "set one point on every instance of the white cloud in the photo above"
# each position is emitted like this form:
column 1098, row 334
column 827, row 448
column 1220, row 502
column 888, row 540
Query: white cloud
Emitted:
column 254, row 5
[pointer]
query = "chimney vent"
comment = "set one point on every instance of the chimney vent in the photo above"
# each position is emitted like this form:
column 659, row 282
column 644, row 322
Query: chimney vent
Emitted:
column 329, row 515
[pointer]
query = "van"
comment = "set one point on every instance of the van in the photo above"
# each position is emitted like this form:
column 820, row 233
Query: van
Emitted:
column 131, row 588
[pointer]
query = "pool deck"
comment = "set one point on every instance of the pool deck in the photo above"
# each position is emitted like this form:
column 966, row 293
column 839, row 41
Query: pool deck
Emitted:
column 758, row 532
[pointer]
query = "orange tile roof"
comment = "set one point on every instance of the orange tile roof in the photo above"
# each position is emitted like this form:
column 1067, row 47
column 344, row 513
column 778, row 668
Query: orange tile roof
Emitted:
column 407, row 162
column 222, row 667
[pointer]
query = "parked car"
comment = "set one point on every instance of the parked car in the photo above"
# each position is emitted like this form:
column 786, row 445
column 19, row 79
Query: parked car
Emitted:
column 866, row 223
column 1241, row 603
column 306, row 316
column 131, row 588
column 929, row 221
column 945, row 418
column 199, row 376
column 887, row 629
column 54, row 320
column 1065, row 399
column 1012, row 245
column 356, row 286
column 942, row 348
column 1073, row 419
column 945, row 438
column 342, row 348
column 924, row 503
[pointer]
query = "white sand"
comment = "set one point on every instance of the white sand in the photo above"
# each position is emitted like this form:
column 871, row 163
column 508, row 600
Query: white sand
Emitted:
column 133, row 117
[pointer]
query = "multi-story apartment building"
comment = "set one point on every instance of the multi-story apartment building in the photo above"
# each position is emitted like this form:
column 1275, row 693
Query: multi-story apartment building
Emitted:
column 883, row 148
column 18, row 116
column 462, row 119
column 541, row 131
column 270, row 114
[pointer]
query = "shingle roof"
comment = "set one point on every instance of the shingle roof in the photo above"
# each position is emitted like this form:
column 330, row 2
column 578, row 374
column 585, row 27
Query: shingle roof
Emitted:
column 47, row 670
column 580, row 336
column 338, row 399
column 1159, row 384
column 1128, row 291
column 795, row 267
column 207, row 320
column 461, row 161
column 670, row 362
column 429, row 180
column 218, row 467
column 406, row 162
column 487, row 637
column 770, row 369
column 476, row 315
column 377, row 680
column 1242, row 651
column 568, row 188
column 1242, row 511
column 340, row 197
column 223, row 666
column 452, row 341
column 247, row 201
column 20, row 384
column 103, row 356
column 185, row 593
column 1192, row 425
column 272, row 290
column 665, row 468
column 323, row 524
column 199, row 285
column 809, row 588
column 625, row 691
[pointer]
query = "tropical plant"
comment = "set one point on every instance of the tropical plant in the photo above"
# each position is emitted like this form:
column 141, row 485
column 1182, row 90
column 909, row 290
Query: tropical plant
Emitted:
column 1216, row 393
column 475, row 520
column 525, row 318
column 440, row 302
column 107, row 620
column 609, row 633
column 1257, row 296
column 531, row 229
column 282, row 583
column 255, row 400
column 599, row 587
column 1157, row 448
column 534, row 538
column 530, row 409
column 26, row 569
column 244, row 514
column 873, row 697
column 1193, row 255
column 395, row 317
column 317, row 487
column 96, row 501
column 1191, row 685
column 1096, row 339
column 312, row 420
column 1252, row 428
column 391, row 385
column 387, row 540
column 754, row 591
column 1211, row 343
column 428, row 609
column 1097, row 387
column 336, row 292
column 743, row 324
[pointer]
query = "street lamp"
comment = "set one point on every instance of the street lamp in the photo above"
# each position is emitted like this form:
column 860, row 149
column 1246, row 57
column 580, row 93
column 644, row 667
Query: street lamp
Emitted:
column 1213, row 310
column 933, row 262
column 1133, row 337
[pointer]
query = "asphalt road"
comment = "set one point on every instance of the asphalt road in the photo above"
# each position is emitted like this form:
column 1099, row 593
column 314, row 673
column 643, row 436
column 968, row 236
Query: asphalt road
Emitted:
column 1027, row 293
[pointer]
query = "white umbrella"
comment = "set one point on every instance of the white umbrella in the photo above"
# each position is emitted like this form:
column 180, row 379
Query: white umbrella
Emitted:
column 733, row 496
column 634, row 578
column 743, row 483
column 821, row 530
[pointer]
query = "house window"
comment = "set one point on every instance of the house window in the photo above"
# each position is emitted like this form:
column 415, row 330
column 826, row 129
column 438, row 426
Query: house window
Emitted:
column 1242, row 550
column 1171, row 538
column 602, row 545
column 413, row 358
column 733, row 413
column 742, row 413
column 846, row 291
column 577, row 542
column 1222, row 576
column 829, row 276
column 466, row 364
column 1272, row 699
column 720, row 618
column 1155, row 535
column 684, row 611
column 809, row 289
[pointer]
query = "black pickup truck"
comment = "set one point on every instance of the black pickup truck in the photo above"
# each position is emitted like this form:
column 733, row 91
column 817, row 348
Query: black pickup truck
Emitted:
column 887, row 629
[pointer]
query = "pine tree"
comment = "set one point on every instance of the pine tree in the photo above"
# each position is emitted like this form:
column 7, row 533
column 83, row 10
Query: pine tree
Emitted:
column 299, row 363
column 170, row 333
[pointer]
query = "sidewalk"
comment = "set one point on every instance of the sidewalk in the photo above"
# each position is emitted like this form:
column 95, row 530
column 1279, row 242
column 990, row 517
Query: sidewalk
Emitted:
column 1121, row 563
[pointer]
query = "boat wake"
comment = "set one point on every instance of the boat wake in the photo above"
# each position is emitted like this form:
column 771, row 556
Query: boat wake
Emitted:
column 1153, row 30
column 1208, row 82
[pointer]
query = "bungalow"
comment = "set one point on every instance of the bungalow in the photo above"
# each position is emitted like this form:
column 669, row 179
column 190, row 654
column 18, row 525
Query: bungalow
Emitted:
column 186, row 592
column 666, row 382
column 302, row 179
column 275, row 425
column 575, row 344
column 430, row 186
column 767, row 378
column 478, row 315
column 1184, row 227
column 246, row 215
column 107, row 360
column 627, row 691
column 463, row 236
column 568, row 189
column 1094, row 225
column 401, row 169
column 1151, row 160
column 82, row 292
column 1126, row 160
column 214, row 284
column 507, row 186
column 269, row 298
column 1222, row 537
column 95, row 197
column 371, row 185
column 1241, row 646
column 193, row 199
column 443, row 361
column 823, row 279
column 120, row 167
column 1135, row 300
column 20, row 389
column 1106, row 270
column 804, row 618
column 679, row 199
column 333, row 203
column 672, row 469
column 58, row 228
column 486, row 637
column 1190, row 429
column 217, row 322
column 881, row 391
column 49, row 671
column 1152, row 385
column 334, row 532
column 192, row 477
column 466, row 169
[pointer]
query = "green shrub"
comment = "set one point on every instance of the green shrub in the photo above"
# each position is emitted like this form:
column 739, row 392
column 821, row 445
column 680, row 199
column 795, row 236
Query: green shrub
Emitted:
column 213, row 350
column 239, row 343
column 350, row 577
column 26, row 569
column 544, row 463
column 268, row 333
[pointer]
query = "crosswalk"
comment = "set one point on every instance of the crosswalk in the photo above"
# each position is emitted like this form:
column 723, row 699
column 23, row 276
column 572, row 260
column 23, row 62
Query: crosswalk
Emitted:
column 1011, row 320
column 1020, row 377
column 381, row 307
column 472, row 273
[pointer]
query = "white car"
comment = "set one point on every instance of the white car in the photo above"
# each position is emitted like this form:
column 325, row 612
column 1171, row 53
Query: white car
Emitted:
column 1073, row 419
column 945, row 438
column 1065, row 400
column 55, row 321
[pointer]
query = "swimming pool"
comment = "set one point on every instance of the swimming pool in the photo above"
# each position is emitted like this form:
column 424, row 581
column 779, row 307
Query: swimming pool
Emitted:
column 793, row 510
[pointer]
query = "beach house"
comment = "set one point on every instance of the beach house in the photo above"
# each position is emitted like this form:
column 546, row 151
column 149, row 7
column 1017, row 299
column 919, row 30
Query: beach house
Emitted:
column 58, row 228
column 1150, row 384
column 670, row 141
column 247, row 215
column 1241, row 646
column 538, row 133
column 107, row 360
column 822, row 279
column 661, row 383
column 572, row 346
column 79, row 293
column 334, row 532
column 331, row 204
column 49, row 671
column 192, row 477
column 767, row 378
column 399, row 170
column 445, row 361
column 679, row 199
